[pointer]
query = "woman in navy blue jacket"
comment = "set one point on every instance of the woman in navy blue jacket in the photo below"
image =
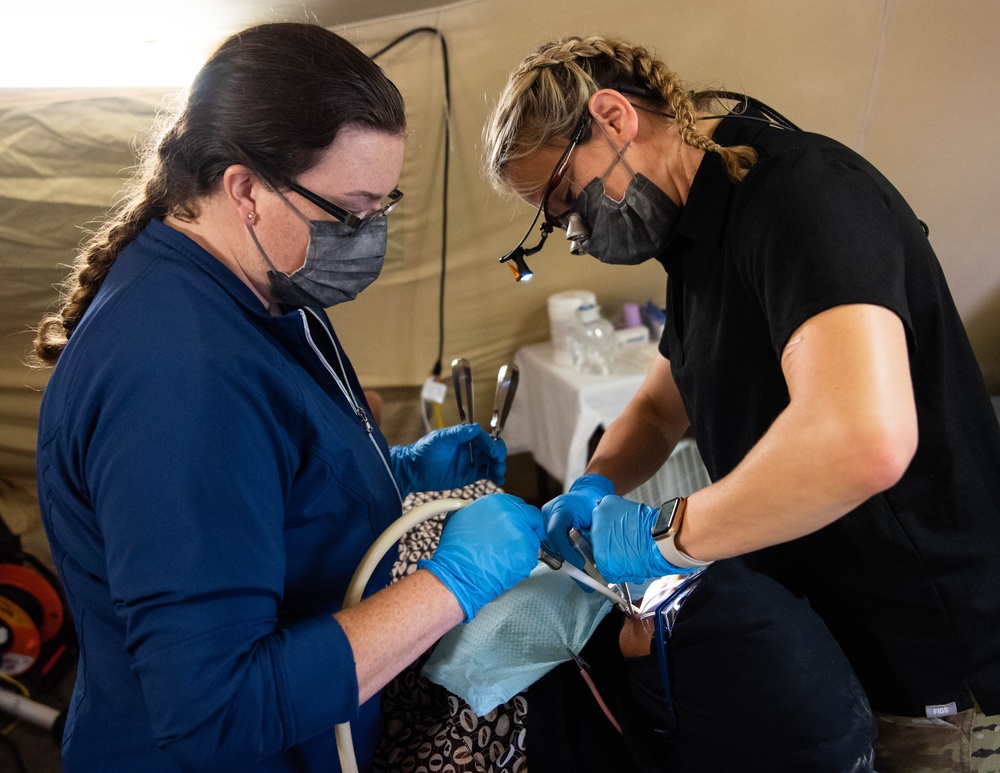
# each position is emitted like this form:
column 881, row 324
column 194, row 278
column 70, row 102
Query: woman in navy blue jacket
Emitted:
column 208, row 469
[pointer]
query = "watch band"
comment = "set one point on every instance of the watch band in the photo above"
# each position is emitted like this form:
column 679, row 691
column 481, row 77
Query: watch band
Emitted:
column 678, row 557
column 664, row 535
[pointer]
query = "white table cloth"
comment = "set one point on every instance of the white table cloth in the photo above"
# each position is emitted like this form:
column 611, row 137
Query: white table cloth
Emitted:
column 557, row 410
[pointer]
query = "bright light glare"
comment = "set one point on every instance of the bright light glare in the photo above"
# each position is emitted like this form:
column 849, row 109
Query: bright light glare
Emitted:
column 106, row 43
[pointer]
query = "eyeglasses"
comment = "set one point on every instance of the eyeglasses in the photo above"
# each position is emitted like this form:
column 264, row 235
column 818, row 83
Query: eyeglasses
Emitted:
column 517, row 256
column 342, row 214
column 664, row 619
column 556, row 180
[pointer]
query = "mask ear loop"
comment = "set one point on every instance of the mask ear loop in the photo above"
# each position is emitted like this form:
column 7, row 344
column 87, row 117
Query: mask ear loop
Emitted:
column 256, row 241
column 260, row 249
column 292, row 207
column 619, row 156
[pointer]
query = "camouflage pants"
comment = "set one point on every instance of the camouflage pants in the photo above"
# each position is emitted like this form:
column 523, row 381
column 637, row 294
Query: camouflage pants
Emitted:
column 968, row 742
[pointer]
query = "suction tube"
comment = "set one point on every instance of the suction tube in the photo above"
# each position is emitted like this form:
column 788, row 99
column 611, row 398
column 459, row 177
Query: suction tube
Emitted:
column 356, row 587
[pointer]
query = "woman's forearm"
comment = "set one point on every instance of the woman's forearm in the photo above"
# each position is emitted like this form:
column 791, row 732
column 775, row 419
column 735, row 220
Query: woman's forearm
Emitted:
column 391, row 629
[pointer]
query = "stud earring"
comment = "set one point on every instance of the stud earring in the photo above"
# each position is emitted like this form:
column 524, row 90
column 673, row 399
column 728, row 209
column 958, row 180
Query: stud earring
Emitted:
column 252, row 216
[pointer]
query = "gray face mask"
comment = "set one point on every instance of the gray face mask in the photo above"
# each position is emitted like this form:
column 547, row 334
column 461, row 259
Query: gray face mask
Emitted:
column 629, row 231
column 341, row 261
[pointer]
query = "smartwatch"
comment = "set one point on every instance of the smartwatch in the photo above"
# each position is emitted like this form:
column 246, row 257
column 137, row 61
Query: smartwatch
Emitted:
column 668, row 522
column 665, row 530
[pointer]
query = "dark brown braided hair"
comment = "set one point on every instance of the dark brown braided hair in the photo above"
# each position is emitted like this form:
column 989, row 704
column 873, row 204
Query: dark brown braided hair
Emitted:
column 272, row 97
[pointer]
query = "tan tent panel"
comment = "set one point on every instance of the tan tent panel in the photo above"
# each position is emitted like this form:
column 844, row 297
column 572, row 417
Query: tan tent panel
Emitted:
column 912, row 84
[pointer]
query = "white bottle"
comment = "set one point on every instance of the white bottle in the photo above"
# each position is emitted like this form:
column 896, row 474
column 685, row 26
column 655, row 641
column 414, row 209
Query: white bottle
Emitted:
column 592, row 343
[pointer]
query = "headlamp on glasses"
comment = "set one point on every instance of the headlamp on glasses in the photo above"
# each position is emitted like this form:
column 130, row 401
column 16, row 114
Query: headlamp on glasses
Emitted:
column 576, row 229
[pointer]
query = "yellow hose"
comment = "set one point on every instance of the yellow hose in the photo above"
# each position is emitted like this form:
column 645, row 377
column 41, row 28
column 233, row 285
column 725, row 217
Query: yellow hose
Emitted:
column 356, row 587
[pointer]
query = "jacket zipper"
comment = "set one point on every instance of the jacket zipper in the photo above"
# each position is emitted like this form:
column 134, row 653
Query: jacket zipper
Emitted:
column 345, row 389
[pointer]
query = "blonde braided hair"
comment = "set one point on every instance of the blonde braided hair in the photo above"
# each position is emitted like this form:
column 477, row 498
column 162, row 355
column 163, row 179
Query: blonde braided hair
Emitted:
column 548, row 93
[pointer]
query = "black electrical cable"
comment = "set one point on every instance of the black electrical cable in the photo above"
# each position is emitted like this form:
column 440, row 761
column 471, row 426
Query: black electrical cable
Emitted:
column 15, row 753
column 447, row 147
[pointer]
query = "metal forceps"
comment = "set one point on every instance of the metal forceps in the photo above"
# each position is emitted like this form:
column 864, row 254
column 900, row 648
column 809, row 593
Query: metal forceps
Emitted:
column 582, row 546
column 461, row 376
column 618, row 596
column 507, row 380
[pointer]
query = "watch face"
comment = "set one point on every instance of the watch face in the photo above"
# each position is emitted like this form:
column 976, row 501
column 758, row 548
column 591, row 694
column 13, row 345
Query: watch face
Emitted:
column 664, row 525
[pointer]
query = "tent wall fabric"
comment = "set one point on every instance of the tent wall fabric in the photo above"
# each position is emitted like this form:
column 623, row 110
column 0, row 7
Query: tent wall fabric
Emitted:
column 911, row 84
column 62, row 157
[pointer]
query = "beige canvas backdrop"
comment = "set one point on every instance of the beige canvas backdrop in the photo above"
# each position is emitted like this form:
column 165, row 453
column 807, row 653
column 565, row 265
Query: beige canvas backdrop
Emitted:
column 912, row 84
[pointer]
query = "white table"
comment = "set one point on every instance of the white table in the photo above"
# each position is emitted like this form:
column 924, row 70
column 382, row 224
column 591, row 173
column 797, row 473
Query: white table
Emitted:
column 557, row 410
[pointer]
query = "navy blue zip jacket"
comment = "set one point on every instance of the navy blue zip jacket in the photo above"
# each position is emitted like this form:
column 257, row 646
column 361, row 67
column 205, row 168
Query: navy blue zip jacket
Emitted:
column 208, row 487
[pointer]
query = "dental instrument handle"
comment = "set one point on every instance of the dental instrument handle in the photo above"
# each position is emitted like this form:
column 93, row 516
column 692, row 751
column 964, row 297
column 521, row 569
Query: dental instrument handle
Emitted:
column 586, row 579
column 469, row 401
column 498, row 398
column 555, row 562
column 582, row 546
column 507, row 380
column 461, row 376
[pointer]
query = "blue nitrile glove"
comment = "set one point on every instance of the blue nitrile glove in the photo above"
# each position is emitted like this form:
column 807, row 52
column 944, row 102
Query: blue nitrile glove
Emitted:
column 624, row 548
column 441, row 460
column 572, row 510
column 486, row 548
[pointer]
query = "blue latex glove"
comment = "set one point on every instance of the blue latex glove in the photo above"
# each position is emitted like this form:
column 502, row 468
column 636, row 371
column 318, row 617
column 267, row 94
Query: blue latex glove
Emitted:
column 624, row 548
column 573, row 509
column 441, row 461
column 486, row 548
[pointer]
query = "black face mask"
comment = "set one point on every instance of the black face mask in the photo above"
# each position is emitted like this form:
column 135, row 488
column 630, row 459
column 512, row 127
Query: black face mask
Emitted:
column 630, row 231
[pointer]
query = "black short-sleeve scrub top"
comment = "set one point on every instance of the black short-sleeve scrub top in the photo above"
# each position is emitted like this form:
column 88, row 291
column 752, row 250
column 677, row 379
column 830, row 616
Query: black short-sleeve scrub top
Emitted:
column 909, row 582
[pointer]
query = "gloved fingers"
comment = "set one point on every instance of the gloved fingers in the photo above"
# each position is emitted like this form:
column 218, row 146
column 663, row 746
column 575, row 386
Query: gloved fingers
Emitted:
column 568, row 511
column 580, row 501
column 559, row 521
column 496, row 470
column 490, row 457
column 624, row 548
column 530, row 518
column 486, row 548
column 474, row 454
column 485, row 445
column 614, row 536
column 457, row 433
column 450, row 458
column 615, row 554
column 594, row 485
